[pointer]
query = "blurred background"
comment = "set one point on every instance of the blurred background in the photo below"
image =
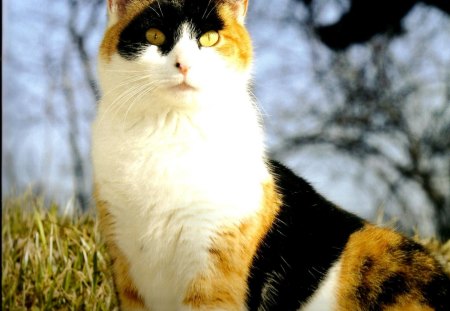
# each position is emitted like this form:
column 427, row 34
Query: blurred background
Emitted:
column 355, row 96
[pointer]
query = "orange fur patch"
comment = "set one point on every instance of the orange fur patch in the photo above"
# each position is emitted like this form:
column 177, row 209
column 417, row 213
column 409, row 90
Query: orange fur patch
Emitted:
column 382, row 268
column 225, row 284
column 127, row 292
column 235, row 43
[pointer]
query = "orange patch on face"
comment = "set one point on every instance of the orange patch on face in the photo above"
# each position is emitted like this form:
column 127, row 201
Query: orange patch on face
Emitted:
column 382, row 269
column 235, row 43
column 128, row 294
column 225, row 284
column 111, row 37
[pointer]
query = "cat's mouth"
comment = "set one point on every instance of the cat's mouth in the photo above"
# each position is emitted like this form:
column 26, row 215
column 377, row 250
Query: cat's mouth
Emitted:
column 184, row 87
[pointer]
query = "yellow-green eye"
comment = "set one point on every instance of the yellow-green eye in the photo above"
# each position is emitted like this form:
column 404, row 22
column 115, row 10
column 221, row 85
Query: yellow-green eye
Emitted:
column 209, row 38
column 155, row 36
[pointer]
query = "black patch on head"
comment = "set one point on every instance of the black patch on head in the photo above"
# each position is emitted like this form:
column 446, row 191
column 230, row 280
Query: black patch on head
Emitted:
column 168, row 16
column 307, row 237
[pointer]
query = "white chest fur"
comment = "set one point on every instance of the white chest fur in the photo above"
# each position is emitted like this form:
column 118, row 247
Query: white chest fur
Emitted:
column 171, row 181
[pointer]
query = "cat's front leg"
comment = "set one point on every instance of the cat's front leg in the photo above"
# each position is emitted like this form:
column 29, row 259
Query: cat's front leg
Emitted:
column 129, row 298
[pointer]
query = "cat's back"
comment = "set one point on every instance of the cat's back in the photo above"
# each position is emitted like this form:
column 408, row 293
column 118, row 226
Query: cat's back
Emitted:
column 318, row 257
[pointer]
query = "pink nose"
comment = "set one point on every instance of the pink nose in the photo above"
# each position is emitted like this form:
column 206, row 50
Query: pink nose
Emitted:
column 182, row 68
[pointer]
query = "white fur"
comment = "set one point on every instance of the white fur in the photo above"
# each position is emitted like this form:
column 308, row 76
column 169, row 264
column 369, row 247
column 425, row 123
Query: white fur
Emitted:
column 174, row 165
column 324, row 298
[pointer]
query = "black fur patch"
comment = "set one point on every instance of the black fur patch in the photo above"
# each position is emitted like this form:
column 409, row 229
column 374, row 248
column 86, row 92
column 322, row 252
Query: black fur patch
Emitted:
column 409, row 249
column 168, row 16
column 395, row 286
column 307, row 237
column 437, row 292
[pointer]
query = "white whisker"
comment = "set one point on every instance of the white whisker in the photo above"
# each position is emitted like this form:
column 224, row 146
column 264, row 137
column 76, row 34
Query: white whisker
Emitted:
column 117, row 102
column 126, row 82
column 134, row 97
column 157, row 1
column 122, row 98
column 206, row 9
column 155, row 12
column 148, row 89
column 210, row 11
column 135, row 92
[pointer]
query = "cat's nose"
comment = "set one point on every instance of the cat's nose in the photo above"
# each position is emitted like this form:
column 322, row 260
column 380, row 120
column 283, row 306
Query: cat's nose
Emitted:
column 183, row 68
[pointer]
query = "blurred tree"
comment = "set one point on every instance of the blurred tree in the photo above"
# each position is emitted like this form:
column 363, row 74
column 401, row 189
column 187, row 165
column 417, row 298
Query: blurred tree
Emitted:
column 78, row 38
column 381, row 113
column 51, row 95
column 365, row 19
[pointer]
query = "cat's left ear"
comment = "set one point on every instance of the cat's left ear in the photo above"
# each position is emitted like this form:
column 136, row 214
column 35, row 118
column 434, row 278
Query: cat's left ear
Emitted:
column 116, row 9
column 239, row 8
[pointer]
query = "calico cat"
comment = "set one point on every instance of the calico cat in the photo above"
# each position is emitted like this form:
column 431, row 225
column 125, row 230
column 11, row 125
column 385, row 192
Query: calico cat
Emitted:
column 194, row 213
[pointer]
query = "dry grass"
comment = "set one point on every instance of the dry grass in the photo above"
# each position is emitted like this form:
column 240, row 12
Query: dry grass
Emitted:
column 50, row 262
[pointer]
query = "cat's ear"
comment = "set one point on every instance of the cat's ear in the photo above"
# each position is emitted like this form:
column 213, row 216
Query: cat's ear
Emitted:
column 116, row 9
column 239, row 8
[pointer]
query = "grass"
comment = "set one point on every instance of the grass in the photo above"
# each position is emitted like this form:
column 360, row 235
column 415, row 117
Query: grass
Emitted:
column 52, row 262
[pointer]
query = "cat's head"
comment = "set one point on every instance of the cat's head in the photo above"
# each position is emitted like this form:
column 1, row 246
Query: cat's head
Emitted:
column 173, row 51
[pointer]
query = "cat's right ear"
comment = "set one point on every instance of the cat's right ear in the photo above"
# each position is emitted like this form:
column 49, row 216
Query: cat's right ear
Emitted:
column 239, row 8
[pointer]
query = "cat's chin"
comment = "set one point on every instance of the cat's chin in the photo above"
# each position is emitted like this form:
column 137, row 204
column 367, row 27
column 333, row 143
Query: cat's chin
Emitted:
column 182, row 95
